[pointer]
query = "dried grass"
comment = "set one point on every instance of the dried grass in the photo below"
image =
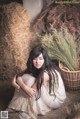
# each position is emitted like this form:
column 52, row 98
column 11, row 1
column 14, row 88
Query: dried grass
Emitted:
column 16, row 39
column 59, row 16
column 61, row 46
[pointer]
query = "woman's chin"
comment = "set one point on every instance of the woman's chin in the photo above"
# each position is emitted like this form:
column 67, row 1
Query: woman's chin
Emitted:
column 38, row 67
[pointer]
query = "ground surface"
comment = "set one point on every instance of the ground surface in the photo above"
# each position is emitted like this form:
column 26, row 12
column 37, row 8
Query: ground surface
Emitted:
column 69, row 110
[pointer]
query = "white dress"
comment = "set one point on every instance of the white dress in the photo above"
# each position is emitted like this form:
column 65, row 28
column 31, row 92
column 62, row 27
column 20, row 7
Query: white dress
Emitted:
column 32, row 107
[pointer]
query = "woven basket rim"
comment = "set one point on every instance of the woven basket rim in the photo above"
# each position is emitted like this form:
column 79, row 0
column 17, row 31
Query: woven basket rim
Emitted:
column 66, row 69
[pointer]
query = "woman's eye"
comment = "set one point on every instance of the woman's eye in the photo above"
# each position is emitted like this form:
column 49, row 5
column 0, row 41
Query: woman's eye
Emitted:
column 35, row 59
column 40, row 58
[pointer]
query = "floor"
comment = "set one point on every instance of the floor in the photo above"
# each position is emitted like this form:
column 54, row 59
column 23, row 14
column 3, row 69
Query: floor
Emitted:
column 69, row 110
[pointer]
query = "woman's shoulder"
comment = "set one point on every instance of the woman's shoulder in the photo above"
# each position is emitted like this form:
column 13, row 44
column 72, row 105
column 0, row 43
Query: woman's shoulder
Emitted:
column 54, row 72
column 46, row 75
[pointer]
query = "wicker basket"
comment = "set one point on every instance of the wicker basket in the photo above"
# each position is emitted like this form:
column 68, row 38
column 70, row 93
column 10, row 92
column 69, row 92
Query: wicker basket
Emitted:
column 71, row 78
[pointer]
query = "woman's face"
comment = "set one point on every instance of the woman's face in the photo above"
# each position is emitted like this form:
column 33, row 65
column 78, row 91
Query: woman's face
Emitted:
column 38, row 61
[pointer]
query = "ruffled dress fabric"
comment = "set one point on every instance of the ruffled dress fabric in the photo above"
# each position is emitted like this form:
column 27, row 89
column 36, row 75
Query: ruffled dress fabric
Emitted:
column 30, row 106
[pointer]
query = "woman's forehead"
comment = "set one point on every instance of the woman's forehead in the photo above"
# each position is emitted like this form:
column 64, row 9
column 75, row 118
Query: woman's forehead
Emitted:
column 41, row 55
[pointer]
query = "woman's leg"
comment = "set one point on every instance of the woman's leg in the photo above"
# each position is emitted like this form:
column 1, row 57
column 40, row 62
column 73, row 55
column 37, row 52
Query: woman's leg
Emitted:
column 23, row 115
column 10, row 110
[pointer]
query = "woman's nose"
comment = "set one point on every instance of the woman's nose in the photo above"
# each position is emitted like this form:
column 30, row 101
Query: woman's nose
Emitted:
column 37, row 60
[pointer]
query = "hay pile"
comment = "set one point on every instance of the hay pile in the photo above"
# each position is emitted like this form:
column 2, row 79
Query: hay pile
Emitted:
column 59, row 16
column 16, row 39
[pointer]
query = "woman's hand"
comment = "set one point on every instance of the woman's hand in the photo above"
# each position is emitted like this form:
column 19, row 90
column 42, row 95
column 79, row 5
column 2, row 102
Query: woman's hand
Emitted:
column 14, row 83
column 30, row 91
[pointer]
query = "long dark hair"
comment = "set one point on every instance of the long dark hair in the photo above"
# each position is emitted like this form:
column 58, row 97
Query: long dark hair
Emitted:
column 48, row 67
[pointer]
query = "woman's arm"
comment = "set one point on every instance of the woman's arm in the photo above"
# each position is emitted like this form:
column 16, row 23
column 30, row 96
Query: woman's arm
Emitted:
column 14, row 83
column 28, row 90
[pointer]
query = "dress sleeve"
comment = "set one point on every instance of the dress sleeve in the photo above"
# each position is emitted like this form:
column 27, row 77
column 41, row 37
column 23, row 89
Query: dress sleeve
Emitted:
column 54, row 101
column 60, row 92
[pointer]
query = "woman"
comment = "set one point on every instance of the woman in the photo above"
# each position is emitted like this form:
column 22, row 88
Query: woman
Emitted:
column 39, row 88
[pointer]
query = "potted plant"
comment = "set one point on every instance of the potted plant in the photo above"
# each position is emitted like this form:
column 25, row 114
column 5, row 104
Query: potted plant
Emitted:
column 61, row 46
